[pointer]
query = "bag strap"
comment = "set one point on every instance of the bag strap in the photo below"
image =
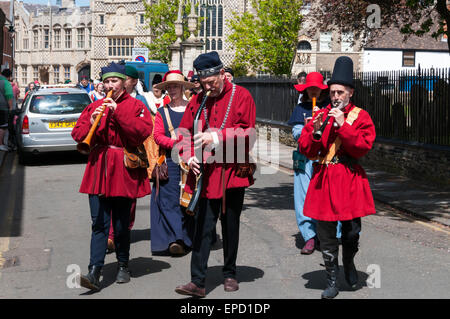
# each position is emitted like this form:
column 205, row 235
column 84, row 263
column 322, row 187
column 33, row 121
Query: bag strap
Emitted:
column 169, row 122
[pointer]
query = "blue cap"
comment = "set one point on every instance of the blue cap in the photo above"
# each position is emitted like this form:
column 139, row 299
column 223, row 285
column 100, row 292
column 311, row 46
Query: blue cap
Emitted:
column 208, row 64
column 114, row 70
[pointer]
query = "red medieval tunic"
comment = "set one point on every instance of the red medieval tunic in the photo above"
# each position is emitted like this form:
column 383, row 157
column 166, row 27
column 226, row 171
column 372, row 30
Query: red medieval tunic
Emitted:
column 105, row 174
column 336, row 191
column 239, row 127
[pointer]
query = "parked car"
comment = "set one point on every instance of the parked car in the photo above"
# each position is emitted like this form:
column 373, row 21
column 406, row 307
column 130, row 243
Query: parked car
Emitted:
column 46, row 120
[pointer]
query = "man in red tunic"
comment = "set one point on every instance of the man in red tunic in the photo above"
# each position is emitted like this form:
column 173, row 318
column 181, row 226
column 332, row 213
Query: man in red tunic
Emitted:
column 111, row 186
column 229, row 116
column 339, row 189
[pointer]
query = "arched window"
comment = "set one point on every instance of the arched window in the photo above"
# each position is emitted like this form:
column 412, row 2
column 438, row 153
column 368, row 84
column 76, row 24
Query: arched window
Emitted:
column 304, row 46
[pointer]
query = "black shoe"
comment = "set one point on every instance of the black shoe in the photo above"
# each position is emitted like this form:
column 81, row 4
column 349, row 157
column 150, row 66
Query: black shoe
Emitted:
column 332, row 269
column 350, row 273
column 123, row 274
column 92, row 279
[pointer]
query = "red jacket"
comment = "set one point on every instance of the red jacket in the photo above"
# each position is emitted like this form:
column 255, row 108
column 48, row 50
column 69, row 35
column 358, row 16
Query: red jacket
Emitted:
column 335, row 191
column 130, row 124
column 242, row 116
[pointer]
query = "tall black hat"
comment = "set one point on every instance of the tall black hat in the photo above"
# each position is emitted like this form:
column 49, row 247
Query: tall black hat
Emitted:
column 342, row 72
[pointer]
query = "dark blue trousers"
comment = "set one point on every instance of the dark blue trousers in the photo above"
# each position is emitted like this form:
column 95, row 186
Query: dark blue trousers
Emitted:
column 102, row 209
column 206, row 219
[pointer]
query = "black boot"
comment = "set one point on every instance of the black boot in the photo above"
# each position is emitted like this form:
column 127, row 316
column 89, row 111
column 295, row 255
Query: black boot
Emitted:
column 123, row 274
column 92, row 279
column 332, row 269
column 348, row 254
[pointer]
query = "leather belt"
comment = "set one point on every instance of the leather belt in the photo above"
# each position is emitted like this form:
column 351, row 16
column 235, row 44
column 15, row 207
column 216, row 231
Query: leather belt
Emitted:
column 341, row 159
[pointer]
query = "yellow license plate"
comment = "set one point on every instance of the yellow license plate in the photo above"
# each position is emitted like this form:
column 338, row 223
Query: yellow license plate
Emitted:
column 61, row 124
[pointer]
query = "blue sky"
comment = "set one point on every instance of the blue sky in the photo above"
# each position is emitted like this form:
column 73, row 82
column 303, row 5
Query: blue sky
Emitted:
column 78, row 2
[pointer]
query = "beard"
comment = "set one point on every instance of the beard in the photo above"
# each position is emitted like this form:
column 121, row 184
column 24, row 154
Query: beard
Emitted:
column 340, row 104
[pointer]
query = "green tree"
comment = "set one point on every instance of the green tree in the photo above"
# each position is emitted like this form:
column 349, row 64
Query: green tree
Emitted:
column 161, row 16
column 411, row 17
column 266, row 41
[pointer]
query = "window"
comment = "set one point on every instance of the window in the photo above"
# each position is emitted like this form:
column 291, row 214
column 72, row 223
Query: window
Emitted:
column 211, row 23
column 35, row 73
column 325, row 41
column 102, row 19
column 68, row 38
column 67, row 72
column 24, row 74
column 220, row 22
column 409, row 58
column 57, row 38
column 90, row 37
column 80, row 37
column 56, row 74
column 59, row 103
column 347, row 42
column 304, row 46
column 120, row 47
column 46, row 38
column 35, row 39
column 142, row 18
column 25, row 43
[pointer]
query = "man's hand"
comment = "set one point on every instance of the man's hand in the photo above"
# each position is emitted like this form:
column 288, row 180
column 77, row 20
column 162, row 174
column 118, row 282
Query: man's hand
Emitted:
column 110, row 103
column 317, row 123
column 202, row 139
column 338, row 115
column 96, row 112
column 194, row 165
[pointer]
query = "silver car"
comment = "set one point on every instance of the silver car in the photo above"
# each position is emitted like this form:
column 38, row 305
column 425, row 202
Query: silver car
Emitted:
column 46, row 120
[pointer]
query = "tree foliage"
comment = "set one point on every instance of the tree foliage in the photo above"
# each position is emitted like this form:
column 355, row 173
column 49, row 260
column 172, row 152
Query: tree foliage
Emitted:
column 411, row 17
column 265, row 41
column 161, row 16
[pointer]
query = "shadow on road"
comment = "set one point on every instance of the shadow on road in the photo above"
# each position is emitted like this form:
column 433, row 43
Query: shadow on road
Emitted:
column 280, row 197
column 317, row 280
column 141, row 266
column 244, row 274
column 57, row 158
column 138, row 235
column 12, row 177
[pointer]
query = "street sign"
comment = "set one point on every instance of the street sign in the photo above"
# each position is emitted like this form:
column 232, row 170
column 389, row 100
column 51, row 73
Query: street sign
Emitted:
column 140, row 54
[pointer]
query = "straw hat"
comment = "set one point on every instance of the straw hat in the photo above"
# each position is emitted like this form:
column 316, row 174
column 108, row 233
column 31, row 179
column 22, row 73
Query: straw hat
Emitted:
column 175, row 77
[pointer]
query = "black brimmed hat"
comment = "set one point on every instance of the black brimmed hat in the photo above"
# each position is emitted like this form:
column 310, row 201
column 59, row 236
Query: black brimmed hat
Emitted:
column 342, row 72
column 208, row 64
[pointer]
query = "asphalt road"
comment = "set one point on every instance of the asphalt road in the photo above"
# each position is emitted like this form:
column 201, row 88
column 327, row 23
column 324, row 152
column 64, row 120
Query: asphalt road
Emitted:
column 45, row 236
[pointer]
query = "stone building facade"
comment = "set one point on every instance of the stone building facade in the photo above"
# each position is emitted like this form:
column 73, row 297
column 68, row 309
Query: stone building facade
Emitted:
column 66, row 41
column 54, row 44
column 317, row 51
column 118, row 26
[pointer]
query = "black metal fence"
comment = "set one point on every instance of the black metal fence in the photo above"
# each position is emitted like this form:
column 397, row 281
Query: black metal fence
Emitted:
column 412, row 105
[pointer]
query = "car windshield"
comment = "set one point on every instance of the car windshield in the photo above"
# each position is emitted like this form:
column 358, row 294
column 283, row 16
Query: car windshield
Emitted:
column 59, row 103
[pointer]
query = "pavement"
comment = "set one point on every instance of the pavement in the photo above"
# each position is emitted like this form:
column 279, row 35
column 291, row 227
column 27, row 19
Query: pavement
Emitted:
column 410, row 196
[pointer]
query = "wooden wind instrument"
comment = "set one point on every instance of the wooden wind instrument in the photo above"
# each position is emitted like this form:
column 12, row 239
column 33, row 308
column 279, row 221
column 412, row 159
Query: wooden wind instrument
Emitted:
column 85, row 146
column 314, row 101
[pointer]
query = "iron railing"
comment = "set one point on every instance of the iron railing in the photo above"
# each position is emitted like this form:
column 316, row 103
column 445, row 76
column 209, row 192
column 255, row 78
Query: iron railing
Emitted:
column 410, row 106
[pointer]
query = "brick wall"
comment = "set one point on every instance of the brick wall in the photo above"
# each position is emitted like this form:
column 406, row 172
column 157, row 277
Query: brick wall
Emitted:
column 427, row 163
